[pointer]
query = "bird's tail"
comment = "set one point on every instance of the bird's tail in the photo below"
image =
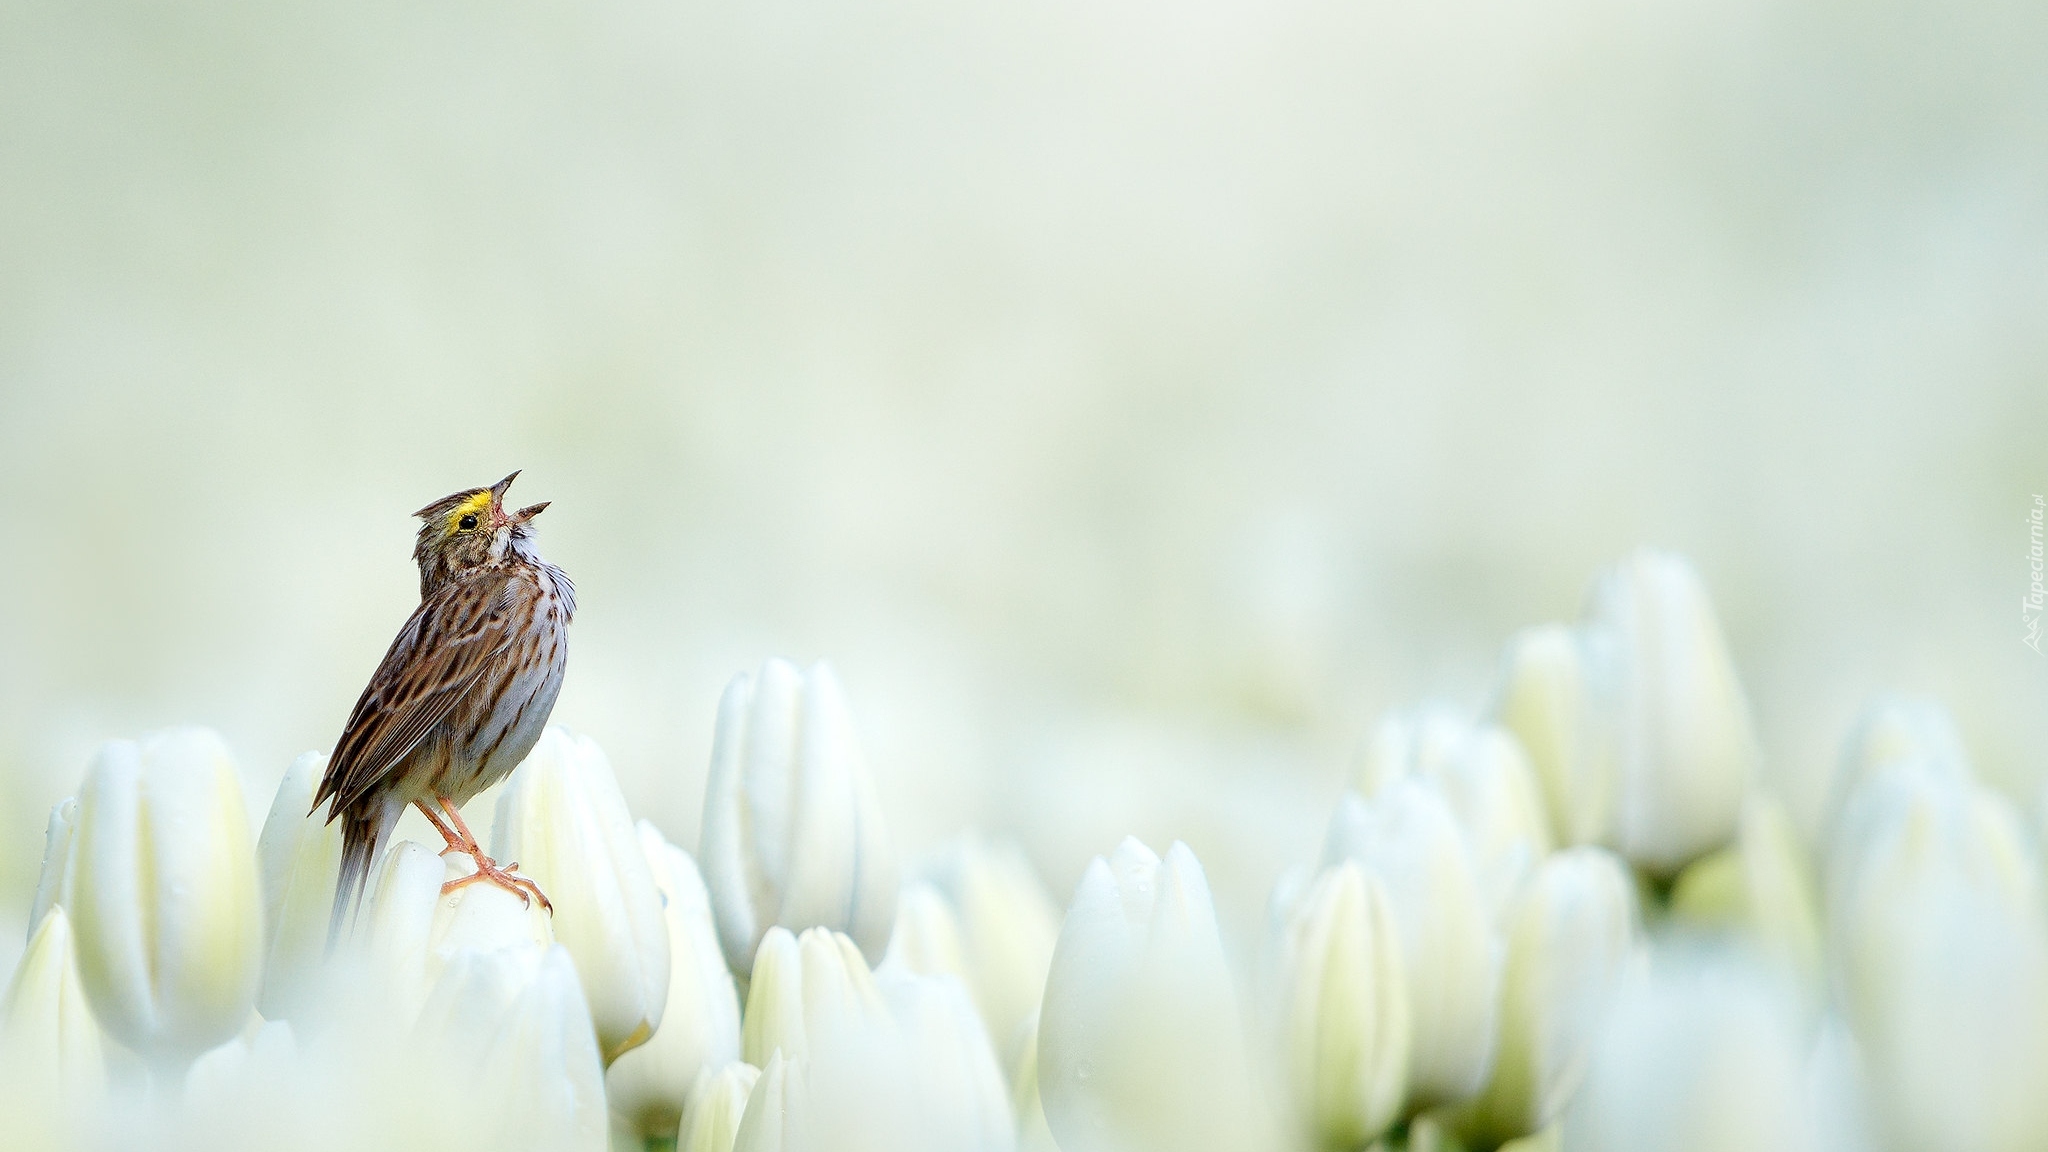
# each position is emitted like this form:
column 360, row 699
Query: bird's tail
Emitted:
column 359, row 836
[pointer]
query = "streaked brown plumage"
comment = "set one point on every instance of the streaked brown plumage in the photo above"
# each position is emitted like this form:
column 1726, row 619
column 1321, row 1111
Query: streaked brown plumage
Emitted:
column 462, row 695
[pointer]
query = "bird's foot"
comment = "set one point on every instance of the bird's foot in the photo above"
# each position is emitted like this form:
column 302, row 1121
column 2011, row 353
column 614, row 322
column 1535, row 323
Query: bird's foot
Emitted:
column 488, row 871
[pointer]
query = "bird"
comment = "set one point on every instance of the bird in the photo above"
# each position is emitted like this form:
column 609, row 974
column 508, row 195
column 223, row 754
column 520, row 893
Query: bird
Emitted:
column 460, row 698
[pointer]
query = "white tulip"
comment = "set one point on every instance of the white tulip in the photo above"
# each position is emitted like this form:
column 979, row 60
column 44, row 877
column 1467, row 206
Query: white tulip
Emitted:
column 1410, row 840
column 1009, row 924
column 1139, row 1042
column 1686, row 751
column 47, row 1031
column 1556, row 696
column 700, row 1027
column 927, row 939
column 717, row 1104
column 1955, row 1026
column 1940, row 952
column 1290, row 894
column 1911, row 829
column 409, row 932
column 56, row 860
column 986, row 918
column 793, row 832
column 1889, row 730
column 895, row 1060
column 1406, row 744
column 1494, row 794
column 1344, row 1009
column 514, row 1021
column 807, row 990
column 298, row 854
column 1483, row 775
column 776, row 1118
column 959, row 1097
column 564, row 821
column 163, row 895
column 1572, row 944
column 1698, row 1056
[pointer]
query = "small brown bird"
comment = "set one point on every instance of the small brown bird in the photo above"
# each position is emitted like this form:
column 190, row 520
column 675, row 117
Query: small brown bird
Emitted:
column 463, row 694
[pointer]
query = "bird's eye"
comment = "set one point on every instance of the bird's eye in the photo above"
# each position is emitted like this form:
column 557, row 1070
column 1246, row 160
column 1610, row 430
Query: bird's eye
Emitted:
column 466, row 523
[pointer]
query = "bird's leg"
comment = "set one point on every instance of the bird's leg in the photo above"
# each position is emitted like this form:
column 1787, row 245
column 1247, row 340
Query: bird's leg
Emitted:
column 486, row 868
column 468, row 842
column 455, row 844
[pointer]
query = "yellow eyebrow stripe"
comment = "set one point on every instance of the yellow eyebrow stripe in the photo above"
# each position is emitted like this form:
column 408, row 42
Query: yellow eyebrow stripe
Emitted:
column 476, row 505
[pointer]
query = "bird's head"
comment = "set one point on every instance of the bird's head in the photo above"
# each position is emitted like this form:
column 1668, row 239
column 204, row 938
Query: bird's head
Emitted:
column 469, row 529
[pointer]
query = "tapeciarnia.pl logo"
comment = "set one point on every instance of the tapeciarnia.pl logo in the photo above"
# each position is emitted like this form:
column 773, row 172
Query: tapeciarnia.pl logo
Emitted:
column 2031, row 604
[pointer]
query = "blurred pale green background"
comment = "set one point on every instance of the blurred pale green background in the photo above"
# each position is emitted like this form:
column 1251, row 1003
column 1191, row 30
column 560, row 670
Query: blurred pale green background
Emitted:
column 1132, row 400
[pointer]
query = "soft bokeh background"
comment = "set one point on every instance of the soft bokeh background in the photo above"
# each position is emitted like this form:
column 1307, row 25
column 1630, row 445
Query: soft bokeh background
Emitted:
column 1131, row 400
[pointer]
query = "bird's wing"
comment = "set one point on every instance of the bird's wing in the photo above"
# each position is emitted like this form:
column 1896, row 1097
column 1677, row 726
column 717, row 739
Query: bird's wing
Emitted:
column 437, row 660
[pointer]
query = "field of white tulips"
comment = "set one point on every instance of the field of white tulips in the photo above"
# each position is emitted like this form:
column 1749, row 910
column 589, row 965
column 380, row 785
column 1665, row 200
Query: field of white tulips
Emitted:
column 1208, row 444
column 1571, row 920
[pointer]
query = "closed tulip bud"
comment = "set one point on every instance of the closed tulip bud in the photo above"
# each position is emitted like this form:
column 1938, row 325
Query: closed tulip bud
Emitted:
column 717, row 1103
column 1139, row 1043
column 298, row 855
column 1951, row 1017
column 1493, row 792
column 1915, row 817
column 958, row 1092
column 1344, row 1010
column 1406, row 744
column 409, row 930
column 775, row 1116
column 1010, row 924
column 1761, row 886
column 927, row 936
column 700, row 1027
column 908, row 1069
column 514, row 1020
column 56, row 860
column 472, row 918
column 1409, row 839
column 807, row 989
column 986, row 918
column 1913, row 828
column 793, row 832
column 1686, row 751
column 1483, row 775
column 1892, row 729
column 1556, row 696
column 1939, row 950
column 47, row 1031
column 1696, row 1057
column 564, row 821
column 1572, row 943
column 163, row 895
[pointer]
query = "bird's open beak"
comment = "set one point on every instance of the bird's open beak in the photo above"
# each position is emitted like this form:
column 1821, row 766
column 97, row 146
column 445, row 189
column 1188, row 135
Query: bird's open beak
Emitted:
column 529, row 512
column 498, row 517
